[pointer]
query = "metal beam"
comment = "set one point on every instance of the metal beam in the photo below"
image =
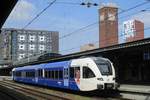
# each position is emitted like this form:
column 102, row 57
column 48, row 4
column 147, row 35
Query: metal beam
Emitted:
column 6, row 7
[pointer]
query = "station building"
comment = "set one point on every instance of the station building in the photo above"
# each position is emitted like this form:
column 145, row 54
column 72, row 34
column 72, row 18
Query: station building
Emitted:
column 17, row 44
column 87, row 47
column 133, row 30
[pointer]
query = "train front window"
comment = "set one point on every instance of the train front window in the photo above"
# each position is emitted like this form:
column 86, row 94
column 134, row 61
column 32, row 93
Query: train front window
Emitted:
column 104, row 67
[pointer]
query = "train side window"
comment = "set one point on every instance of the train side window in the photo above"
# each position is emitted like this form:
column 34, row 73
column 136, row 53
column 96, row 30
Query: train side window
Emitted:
column 23, row 74
column 46, row 74
column 50, row 74
column 56, row 74
column 60, row 74
column 26, row 74
column 18, row 74
column 40, row 73
column 71, row 72
column 87, row 72
column 53, row 74
column 32, row 74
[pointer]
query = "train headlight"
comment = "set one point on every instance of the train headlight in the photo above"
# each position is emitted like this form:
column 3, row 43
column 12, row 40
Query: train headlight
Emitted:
column 101, row 79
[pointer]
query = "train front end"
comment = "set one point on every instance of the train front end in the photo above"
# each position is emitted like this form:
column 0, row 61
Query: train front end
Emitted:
column 106, row 76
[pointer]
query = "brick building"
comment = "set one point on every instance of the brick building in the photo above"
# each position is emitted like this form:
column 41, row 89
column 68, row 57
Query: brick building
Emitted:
column 108, row 25
column 133, row 30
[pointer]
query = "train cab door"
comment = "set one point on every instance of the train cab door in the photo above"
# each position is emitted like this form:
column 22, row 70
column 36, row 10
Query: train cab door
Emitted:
column 66, row 76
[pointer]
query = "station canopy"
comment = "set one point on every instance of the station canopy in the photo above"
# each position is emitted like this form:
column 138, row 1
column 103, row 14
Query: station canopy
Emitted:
column 6, row 7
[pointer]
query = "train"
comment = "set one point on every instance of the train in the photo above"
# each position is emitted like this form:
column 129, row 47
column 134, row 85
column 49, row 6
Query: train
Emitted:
column 80, row 74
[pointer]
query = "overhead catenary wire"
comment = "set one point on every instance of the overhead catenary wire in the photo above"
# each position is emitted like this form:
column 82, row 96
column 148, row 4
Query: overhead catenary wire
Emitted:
column 140, row 11
column 141, row 4
column 126, row 10
column 39, row 14
column 78, row 30
column 68, row 3
column 77, row 47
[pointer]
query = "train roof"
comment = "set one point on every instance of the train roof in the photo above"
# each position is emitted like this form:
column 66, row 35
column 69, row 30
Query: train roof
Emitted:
column 99, row 58
column 55, row 64
column 45, row 65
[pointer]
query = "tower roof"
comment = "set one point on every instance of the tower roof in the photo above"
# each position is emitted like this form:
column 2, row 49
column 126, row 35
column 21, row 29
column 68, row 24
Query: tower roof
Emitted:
column 112, row 5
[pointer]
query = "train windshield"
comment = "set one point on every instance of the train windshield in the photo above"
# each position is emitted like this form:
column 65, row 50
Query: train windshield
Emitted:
column 104, row 67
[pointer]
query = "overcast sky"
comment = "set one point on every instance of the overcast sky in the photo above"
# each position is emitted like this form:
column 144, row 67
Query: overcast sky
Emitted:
column 67, row 18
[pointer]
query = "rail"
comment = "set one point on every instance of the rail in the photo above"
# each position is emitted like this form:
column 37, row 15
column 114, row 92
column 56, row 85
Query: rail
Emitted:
column 32, row 92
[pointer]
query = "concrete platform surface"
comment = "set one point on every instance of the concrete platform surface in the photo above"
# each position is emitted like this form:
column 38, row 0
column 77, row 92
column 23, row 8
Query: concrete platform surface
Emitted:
column 135, row 88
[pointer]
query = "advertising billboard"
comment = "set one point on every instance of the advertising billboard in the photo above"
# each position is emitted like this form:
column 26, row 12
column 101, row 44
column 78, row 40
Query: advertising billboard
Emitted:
column 129, row 28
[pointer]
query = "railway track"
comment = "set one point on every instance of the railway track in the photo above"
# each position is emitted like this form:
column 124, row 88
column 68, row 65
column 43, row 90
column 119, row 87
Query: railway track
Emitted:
column 40, row 93
column 31, row 92
column 5, row 95
column 43, row 93
column 9, row 94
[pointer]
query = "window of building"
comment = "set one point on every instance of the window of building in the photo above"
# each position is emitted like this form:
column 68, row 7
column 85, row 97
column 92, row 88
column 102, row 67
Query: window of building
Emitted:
column 41, row 47
column 87, row 72
column 21, row 56
column 29, row 54
column 41, row 38
column 21, row 37
column 21, row 47
column 31, row 47
column 31, row 38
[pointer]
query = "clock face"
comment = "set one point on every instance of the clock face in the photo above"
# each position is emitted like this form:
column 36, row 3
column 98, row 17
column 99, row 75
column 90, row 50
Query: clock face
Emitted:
column 111, row 17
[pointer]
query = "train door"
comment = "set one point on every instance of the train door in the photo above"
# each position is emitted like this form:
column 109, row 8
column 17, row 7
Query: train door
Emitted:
column 77, row 74
column 66, row 76
column 36, row 75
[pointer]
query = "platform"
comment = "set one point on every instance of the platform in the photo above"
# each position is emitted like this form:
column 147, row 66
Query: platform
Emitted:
column 135, row 88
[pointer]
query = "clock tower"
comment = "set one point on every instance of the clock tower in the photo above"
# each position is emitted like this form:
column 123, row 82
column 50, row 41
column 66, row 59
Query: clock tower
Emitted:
column 108, row 25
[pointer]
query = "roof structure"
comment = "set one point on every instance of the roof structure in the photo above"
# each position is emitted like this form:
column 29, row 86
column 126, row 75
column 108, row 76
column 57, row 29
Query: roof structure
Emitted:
column 6, row 7
column 118, row 47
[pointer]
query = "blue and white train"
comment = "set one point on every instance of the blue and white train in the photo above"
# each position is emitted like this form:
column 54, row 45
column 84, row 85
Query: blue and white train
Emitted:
column 83, row 74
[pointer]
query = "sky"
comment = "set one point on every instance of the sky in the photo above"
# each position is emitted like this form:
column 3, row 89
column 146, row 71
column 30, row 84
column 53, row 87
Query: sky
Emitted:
column 67, row 18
